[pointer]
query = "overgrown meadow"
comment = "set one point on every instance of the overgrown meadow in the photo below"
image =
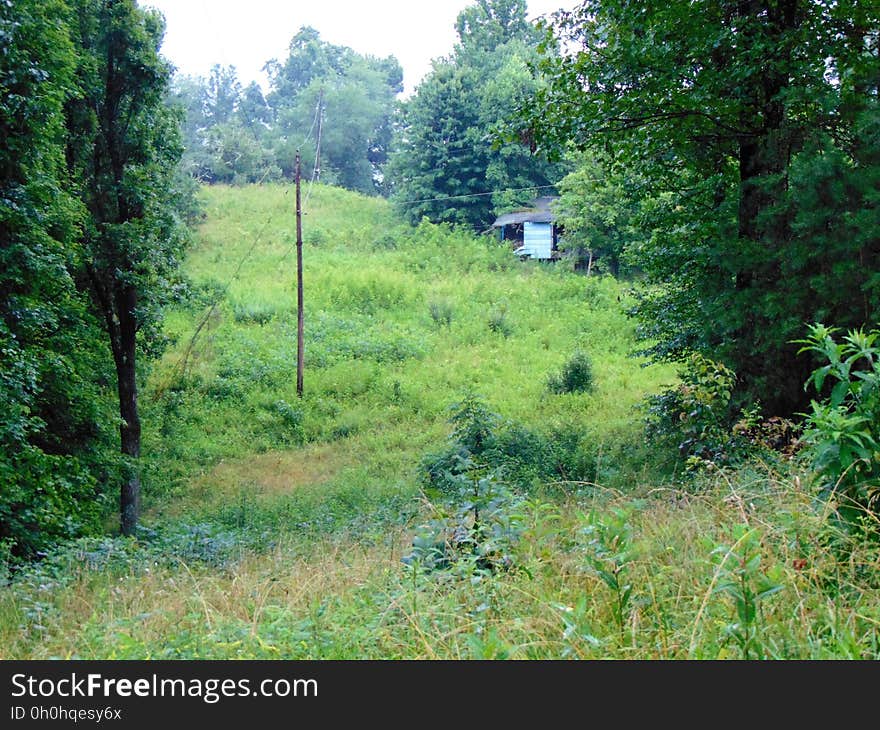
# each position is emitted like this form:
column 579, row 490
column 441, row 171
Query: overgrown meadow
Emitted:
column 466, row 476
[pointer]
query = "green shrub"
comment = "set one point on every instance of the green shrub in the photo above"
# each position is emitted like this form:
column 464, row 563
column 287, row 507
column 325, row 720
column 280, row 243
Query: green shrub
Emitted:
column 696, row 414
column 479, row 533
column 576, row 376
column 518, row 455
column 473, row 424
column 441, row 311
column 498, row 321
column 843, row 429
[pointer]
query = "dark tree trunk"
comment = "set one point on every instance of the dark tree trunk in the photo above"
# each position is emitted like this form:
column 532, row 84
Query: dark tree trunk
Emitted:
column 130, row 427
column 764, row 156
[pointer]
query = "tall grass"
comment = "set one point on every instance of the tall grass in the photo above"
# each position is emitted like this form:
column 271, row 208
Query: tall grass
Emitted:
column 275, row 526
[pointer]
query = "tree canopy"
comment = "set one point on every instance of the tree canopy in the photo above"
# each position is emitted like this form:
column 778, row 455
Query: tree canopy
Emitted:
column 739, row 117
column 446, row 165
column 235, row 135
column 52, row 444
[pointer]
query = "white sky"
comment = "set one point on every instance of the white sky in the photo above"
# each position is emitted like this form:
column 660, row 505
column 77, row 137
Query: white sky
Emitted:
column 247, row 33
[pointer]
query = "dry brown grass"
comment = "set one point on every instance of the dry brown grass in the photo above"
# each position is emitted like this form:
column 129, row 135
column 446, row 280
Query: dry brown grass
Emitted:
column 346, row 597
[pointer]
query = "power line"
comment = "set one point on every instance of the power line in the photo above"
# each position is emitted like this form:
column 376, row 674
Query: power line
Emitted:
column 316, row 170
column 314, row 122
column 180, row 365
column 474, row 195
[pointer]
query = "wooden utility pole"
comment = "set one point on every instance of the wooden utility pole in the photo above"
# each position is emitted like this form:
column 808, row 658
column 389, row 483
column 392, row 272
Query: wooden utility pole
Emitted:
column 299, row 283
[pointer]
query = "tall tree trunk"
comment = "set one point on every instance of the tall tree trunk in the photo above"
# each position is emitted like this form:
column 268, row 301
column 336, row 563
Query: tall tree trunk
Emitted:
column 130, row 427
column 764, row 156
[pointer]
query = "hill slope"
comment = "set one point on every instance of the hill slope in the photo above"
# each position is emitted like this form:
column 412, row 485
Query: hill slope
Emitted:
column 361, row 522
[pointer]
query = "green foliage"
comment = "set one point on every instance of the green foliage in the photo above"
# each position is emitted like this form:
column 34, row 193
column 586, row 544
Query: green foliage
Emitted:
column 238, row 136
column 576, row 375
column 442, row 311
column 842, row 428
column 473, row 424
column 520, row 456
column 740, row 577
column 697, row 413
column 741, row 242
column 610, row 552
column 239, row 511
column 233, row 155
column 499, row 322
column 123, row 147
column 444, row 151
column 254, row 312
column 479, row 534
column 53, row 454
column 356, row 95
column 598, row 212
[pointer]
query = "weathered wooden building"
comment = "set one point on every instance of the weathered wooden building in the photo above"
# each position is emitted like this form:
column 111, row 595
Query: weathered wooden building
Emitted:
column 532, row 232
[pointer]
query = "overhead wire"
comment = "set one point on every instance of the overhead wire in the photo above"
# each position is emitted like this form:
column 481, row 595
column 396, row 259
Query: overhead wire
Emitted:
column 474, row 195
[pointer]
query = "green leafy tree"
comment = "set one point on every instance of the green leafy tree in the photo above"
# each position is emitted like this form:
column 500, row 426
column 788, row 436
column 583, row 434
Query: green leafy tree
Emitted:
column 599, row 211
column 488, row 24
column 188, row 95
column 728, row 110
column 51, row 443
column 234, row 155
column 253, row 112
column 348, row 97
column 222, row 93
column 446, row 160
column 439, row 159
column 123, row 147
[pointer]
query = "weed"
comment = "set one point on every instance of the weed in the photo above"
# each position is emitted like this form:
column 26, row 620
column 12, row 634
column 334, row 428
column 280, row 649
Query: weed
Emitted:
column 499, row 321
column 843, row 431
column 576, row 376
column 740, row 577
column 254, row 313
column 442, row 311
column 610, row 553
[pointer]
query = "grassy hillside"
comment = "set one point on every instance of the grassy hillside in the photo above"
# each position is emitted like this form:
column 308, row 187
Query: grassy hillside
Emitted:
column 276, row 527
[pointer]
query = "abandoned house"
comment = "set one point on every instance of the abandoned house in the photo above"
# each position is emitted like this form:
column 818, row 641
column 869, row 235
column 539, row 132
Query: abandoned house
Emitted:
column 532, row 232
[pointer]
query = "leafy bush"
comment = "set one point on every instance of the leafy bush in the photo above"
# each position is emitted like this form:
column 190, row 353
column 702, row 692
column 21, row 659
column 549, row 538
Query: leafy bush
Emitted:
column 698, row 419
column 441, row 312
column 843, row 430
column 515, row 453
column 498, row 321
column 478, row 533
column 473, row 424
column 697, row 413
column 472, row 436
column 576, row 376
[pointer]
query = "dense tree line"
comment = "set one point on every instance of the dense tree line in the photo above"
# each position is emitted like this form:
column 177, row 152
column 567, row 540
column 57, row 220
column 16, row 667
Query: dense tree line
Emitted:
column 436, row 147
column 748, row 138
column 446, row 158
column 237, row 135
column 89, row 240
